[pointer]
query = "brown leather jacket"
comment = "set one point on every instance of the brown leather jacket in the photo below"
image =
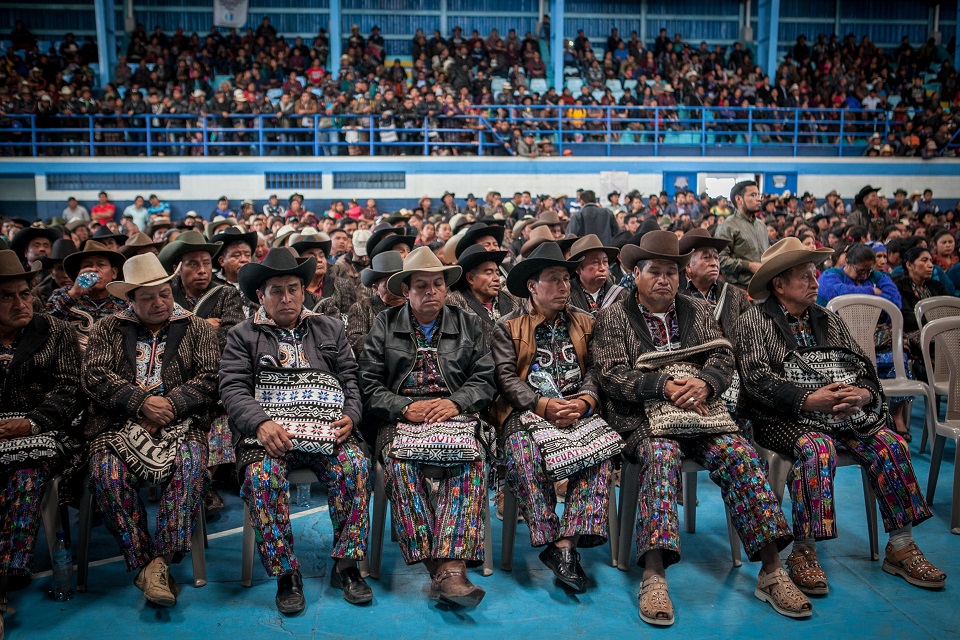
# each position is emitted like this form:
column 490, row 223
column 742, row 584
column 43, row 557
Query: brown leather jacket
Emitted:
column 514, row 347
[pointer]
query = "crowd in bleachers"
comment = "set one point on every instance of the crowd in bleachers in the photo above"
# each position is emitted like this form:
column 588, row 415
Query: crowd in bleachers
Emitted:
column 887, row 103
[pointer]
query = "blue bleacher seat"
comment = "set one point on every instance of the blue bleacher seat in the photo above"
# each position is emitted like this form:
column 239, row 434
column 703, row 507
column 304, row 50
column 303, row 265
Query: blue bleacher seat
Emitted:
column 538, row 85
column 302, row 80
column 893, row 100
column 496, row 85
column 574, row 84
column 597, row 94
column 274, row 94
column 617, row 95
column 571, row 71
column 317, row 91
column 614, row 85
column 630, row 84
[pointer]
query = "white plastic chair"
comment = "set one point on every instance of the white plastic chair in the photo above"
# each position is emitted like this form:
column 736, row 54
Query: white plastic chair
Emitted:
column 945, row 334
column 937, row 308
column 614, row 85
column 781, row 467
column 538, row 85
column 861, row 313
column 630, row 495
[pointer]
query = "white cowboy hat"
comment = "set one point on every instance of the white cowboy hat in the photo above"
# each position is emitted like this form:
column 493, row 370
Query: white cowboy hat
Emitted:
column 422, row 259
column 785, row 254
column 140, row 271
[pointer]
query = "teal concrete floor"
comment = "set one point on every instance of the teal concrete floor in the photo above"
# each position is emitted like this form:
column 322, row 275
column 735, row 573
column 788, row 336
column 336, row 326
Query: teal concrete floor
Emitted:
column 711, row 598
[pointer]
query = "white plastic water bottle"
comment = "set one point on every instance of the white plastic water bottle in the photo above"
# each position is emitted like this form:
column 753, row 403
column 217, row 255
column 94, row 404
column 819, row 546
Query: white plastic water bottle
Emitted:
column 303, row 494
column 543, row 382
column 63, row 588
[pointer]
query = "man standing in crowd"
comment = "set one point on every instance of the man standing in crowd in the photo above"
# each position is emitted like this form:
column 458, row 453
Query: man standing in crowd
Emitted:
column 283, row 335
column 746, row 233
column 593, row 219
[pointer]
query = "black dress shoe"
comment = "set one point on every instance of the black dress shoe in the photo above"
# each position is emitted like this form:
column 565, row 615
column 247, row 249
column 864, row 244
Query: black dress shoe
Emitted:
column 565, row 564
column 355, row 588
column 290, row 593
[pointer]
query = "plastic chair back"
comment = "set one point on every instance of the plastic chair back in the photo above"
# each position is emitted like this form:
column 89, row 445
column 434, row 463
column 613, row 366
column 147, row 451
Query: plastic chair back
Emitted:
column 861, row 313
column 945, row 334
column 937, row 308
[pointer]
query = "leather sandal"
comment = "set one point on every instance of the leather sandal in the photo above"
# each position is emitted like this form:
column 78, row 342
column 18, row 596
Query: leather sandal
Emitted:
column 783, row 595
column 451, row 586
column 909, row 564
column 655, row 605
column 806, row 572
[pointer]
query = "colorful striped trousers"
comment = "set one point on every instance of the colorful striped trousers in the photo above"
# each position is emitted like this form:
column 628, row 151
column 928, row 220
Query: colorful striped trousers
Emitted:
column 265, row 490
column 585, row 507
column 733, row 465
column 21, row 492
column 886, row 457
column 451, row 526
column 117, row 493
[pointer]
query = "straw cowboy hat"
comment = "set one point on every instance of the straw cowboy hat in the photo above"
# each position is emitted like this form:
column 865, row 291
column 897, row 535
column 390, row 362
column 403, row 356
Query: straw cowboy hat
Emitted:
column 187, row 242
column 12, row 269
column 310, row 238
column 654, row 245
column 547, row 254
column 217, row 223
column 473, row 257
column 138, row 242
column 71, row 264
column 538, row 235
column 279, row 262
column 784, row 255
column 156, row 225
column 360, row 239
column 421, row 260
column 382, row 266
column 522, row 224
column 548, row 218
column 591, row 242
column 700, row 239
column 475, row 232
column 139, row 271
column 284, row 232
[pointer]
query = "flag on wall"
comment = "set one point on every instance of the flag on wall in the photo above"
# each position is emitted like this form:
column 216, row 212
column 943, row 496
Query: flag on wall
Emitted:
column 230, row 13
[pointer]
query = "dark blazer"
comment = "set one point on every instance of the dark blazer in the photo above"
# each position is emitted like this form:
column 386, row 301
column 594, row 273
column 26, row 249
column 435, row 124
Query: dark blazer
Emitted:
column 909, row 300
column 191, row 358
column 621, row 335
column 42, row 381
column 325, row 345
column 389, row 354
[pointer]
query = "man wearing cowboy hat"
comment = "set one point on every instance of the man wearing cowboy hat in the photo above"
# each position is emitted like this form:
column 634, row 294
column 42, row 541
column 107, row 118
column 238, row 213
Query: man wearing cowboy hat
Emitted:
column 593, row 288
column 138, row 244
column 703, row 281
column 361, row 314
column 190, row 259
column 448, row 206
column 555, row 336
column 283, row 334
column 810, row 427
column 663, row 364
column 593, row 218
column 158, row 227
column 350, row 264
column 868, row 214
column 325, row 293
column 520, row 234
column 553, row 222
column 108, row 238
column 40, row 378
column 480, row 290
column 237, row 250
column 33, row 243
column 81, row 305
column 746, row 232
column 426, row 362
column 151, row 374
column 53, row 265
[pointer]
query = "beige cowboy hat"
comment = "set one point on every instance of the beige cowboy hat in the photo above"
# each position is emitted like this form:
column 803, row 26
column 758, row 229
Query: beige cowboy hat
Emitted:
column 139, row 271
column 548, row 219
column 785, row 254
column 71, row 264
column 137, row 242
column 284, row 232
column 522, row 224
column 12, row 269
column 538, row 235
column 419, row 260
column 591, row 242
column 450, row 247
column 701, row 239
column 654, row 245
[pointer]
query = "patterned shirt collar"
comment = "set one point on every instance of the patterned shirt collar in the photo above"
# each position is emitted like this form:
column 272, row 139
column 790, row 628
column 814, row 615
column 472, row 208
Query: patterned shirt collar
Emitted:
column 664, row 328
column 712, row 292
column 261, row 317
column 801, row 327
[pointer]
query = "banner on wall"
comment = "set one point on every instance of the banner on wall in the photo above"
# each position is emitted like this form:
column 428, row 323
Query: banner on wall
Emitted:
column 230, row 13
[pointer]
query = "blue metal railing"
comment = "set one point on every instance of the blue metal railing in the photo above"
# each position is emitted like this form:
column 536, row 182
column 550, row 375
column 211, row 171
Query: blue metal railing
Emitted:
column 580, row 130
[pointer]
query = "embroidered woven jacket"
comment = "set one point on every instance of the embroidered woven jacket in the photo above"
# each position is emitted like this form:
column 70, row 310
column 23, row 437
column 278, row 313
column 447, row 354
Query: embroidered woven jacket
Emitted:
column 464, row 299
column 225, row 303
column 389, row 354
column 359, row 320
column 324, row 345
column 514, row 349
column 42, row 381
column 621, row 335
column 189, row 373
column 735, row 304
column 765, row 338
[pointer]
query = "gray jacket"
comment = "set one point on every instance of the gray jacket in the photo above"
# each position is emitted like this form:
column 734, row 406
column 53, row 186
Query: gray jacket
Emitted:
column 389, row 354
column 748, row 240
column 594, row 219
column 326, row 347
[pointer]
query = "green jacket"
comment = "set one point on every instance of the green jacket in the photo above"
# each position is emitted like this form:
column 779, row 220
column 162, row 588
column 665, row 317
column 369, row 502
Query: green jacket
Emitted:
column 748, row 240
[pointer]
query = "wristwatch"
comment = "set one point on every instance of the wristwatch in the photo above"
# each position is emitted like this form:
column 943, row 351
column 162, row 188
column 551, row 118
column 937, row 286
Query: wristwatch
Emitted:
column 34, row 428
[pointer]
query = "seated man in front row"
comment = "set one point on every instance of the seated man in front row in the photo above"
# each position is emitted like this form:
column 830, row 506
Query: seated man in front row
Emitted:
column 427, row 362
column 283, row 334
column 811, row 426
column 663, row 365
